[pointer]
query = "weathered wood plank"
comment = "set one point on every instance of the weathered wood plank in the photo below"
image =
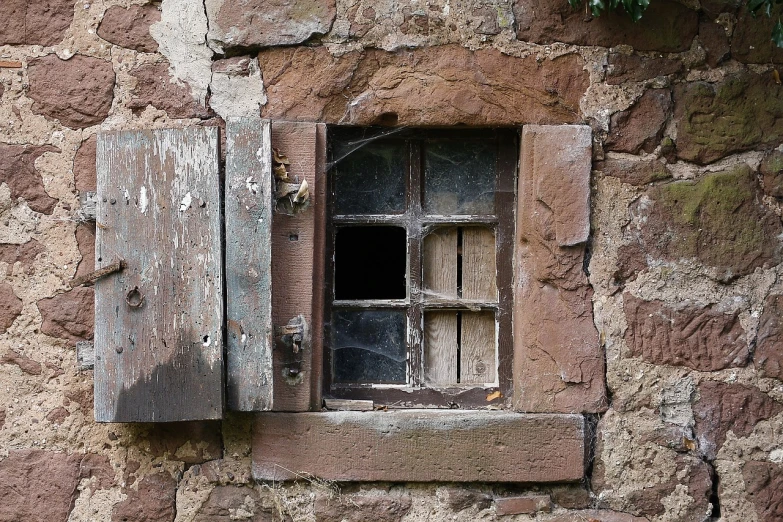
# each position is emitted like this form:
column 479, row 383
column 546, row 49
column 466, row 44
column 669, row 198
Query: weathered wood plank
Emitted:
column 479, row 273
column 440, row 348
column 348, row 405
column 159, row 322
column 478, row 348
column 248, row 210
column 419, row 446
column 293, row 266
column 439, row 253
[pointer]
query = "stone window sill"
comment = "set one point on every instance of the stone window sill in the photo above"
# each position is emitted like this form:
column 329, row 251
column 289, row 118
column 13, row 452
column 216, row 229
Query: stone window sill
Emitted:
column 420, row 446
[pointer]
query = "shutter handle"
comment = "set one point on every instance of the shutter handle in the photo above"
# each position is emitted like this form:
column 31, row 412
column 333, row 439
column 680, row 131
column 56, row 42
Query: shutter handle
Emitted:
column 293, row 336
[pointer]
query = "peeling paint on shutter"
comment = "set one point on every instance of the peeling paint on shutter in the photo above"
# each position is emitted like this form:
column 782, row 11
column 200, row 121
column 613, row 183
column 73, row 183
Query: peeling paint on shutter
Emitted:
column 248, row 209
column 159, row 322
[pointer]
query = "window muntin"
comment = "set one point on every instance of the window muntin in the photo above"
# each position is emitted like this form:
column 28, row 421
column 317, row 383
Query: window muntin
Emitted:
column 457, row 214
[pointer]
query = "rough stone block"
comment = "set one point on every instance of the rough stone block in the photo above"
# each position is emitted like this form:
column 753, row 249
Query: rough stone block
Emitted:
column 155, row 86
column 460, row 499
column 154, row 500
column 57, row 415
column 444, row 85
column 698, row 337
column 78, row 92
column 37, row 485
column 624, row 68
column 715, row 42
column 769, row 341
column 360, row 508
column 24, row 253
column 85, row 240
column 526, row 504
column 227, row 503
column 10, row 306
column 668, row 26
column 130, row 27
column 742, row 112
column 26, row 364
column 634, row 172
column 641, row 126
column 419, row 446
column 751, row 42
column 772, row 170
column 251, row 23
column 764, row 488
column 84, row 175
column 42, row 22
column 718, row 220
column 729, row 407
column 558, row 361
column 557, row 163
column 70, row 315
column 17, row 170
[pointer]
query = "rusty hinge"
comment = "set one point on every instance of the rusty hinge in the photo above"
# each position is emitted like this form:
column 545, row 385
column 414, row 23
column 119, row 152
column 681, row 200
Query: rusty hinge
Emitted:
column 295, row 338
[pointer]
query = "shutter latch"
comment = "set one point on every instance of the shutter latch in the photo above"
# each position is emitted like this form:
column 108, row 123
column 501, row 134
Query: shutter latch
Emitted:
column 294, row 337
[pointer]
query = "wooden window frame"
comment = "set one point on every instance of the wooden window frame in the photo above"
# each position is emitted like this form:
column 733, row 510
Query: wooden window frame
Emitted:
column 415, row 393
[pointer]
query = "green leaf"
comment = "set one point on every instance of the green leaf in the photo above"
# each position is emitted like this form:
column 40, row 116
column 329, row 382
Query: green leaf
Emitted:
column 777, row 34
column 597, row 7
column 574, row 3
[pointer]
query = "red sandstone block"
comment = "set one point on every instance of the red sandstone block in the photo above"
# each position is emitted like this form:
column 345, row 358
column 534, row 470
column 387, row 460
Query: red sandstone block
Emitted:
column 419, row 446
column 527, row 504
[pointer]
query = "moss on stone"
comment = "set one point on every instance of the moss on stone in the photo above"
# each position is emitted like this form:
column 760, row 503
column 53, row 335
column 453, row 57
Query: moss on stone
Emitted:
column 718, row 220
column 742, row 112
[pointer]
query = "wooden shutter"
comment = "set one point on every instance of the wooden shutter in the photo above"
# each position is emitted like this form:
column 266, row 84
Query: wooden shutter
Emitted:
column 248, row 207
column 159, row 322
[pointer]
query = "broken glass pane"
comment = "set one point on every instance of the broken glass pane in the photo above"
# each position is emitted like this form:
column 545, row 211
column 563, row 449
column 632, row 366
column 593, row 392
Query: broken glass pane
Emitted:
column 368, row 346
column 371, row 180
column 370, row 262
column 459, row 177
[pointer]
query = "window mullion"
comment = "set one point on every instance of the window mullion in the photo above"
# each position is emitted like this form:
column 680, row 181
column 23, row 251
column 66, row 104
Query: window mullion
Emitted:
column 414, row 227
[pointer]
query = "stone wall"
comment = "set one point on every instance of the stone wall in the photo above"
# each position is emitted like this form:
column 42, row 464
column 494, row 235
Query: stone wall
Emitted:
column 685, row 249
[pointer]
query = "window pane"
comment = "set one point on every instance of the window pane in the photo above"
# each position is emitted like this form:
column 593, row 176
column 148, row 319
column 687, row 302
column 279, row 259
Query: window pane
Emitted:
column 370, row 263
column 371, row 180
column 459, row 177
column 368, row 346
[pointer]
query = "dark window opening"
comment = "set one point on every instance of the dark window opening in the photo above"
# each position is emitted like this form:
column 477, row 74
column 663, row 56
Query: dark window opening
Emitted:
column 370, row 263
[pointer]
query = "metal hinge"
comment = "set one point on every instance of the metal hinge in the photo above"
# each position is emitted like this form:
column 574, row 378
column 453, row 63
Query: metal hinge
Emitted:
column 295, row 337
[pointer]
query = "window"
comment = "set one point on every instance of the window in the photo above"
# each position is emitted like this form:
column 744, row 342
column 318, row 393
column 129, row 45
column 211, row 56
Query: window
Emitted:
column 186, row 330
column 418, row 287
